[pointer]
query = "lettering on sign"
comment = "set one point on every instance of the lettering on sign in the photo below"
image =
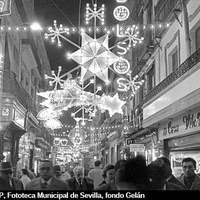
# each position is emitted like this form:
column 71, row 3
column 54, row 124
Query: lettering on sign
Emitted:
column 190, row 121
column 170, row 129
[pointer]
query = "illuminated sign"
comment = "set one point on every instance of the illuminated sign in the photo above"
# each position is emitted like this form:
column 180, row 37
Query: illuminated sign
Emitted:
column 122, row 84
column 121, row 1
column 122, row 66
column 121, row 13
column 122, row 49
column 5, row 7
column 1, row 71
column 19, row 119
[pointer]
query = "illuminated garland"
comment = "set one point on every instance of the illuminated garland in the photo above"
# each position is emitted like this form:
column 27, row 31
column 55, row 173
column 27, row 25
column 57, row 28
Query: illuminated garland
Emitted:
column 73, row 30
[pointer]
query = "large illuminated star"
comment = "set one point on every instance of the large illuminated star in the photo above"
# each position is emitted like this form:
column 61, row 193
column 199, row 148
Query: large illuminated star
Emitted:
column 94, row 57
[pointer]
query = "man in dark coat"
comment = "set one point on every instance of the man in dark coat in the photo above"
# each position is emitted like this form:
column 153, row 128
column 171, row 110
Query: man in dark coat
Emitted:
column 189, row 178
column 47, row 180
column 7, row 182
column 79, row 181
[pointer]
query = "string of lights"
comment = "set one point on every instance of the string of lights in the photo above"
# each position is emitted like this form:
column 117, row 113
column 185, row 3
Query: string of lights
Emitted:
column 72, row 30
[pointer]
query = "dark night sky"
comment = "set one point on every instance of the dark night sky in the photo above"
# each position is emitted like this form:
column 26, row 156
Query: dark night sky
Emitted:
column 68, row 13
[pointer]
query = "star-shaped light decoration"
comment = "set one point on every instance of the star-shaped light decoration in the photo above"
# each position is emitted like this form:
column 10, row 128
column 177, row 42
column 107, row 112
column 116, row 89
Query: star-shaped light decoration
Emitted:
column 112, row 104
column 94, row 57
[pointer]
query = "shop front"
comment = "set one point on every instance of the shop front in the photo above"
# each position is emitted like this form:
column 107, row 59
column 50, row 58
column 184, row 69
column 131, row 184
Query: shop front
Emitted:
column 12, row 121
column 145, row 142
column 181, row 138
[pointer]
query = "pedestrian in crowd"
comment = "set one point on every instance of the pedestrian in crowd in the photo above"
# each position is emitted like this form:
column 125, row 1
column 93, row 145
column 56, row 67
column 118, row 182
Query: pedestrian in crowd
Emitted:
column 159, row 172
column 172, row 178
column 108, row 174
column 7, row 182
column 79, row 181
column 132, row 175
column 31, row 174
column 57, row 171
column 96, row 174
column 65, row 176
column 112, row 184
column 47, row 180
column 189, row 178
column 25, row 179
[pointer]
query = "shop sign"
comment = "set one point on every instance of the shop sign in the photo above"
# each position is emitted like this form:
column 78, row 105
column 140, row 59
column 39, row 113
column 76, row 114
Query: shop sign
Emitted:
column 5, row 7
column 19, row 119
column 179, row 126
column 137, row 147
column 5, row 113
column 130, row 141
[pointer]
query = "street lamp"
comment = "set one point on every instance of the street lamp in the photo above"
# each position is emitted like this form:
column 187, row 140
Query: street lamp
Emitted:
column 35, row 26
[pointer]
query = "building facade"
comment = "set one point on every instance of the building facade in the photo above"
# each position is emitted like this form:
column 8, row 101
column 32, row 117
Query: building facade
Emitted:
column 23, row 64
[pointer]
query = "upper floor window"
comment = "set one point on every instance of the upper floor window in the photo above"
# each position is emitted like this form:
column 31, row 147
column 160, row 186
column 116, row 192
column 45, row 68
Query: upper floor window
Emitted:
column 173, row 60
column 151, row 78
column 197, row 36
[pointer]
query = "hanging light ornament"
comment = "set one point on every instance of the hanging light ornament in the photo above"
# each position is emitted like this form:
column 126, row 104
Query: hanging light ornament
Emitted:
column 94, row 58
column 129, row 84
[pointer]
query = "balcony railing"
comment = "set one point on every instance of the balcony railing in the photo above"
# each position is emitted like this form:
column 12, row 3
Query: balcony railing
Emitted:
column 11, row 86
column 182, row 69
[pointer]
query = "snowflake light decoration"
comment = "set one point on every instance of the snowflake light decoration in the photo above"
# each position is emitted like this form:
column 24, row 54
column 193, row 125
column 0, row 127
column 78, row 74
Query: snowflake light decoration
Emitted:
column 94, row 13
column 57, row 79
column 131, row 35
column 131, row 84
column 55, row 33
column 94, row 58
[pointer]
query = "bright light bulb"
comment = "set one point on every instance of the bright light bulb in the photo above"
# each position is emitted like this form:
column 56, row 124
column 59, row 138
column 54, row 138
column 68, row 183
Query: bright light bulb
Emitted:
column 35, row 26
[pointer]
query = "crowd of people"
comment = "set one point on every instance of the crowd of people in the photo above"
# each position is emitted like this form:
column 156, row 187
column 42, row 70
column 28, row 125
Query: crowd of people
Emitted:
column 131, row 174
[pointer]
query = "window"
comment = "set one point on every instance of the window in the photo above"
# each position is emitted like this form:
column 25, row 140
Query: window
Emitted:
column 151, row 78
column 197, row 36
column 33, row 93
column 112, row 155
column 174, row 60
column 22, row 76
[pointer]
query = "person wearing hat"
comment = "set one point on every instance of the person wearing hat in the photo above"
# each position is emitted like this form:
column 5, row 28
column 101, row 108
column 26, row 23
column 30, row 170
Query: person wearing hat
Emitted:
column 160, row 172
column 47, row 180
column 7, row 182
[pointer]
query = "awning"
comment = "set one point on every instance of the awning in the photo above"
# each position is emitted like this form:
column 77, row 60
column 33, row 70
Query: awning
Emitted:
column 142, row 132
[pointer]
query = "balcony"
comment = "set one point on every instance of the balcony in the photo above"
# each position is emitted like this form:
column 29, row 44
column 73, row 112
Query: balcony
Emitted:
column 11, row 86
column 144, row 51
column 164, row 13
column 182, row 69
